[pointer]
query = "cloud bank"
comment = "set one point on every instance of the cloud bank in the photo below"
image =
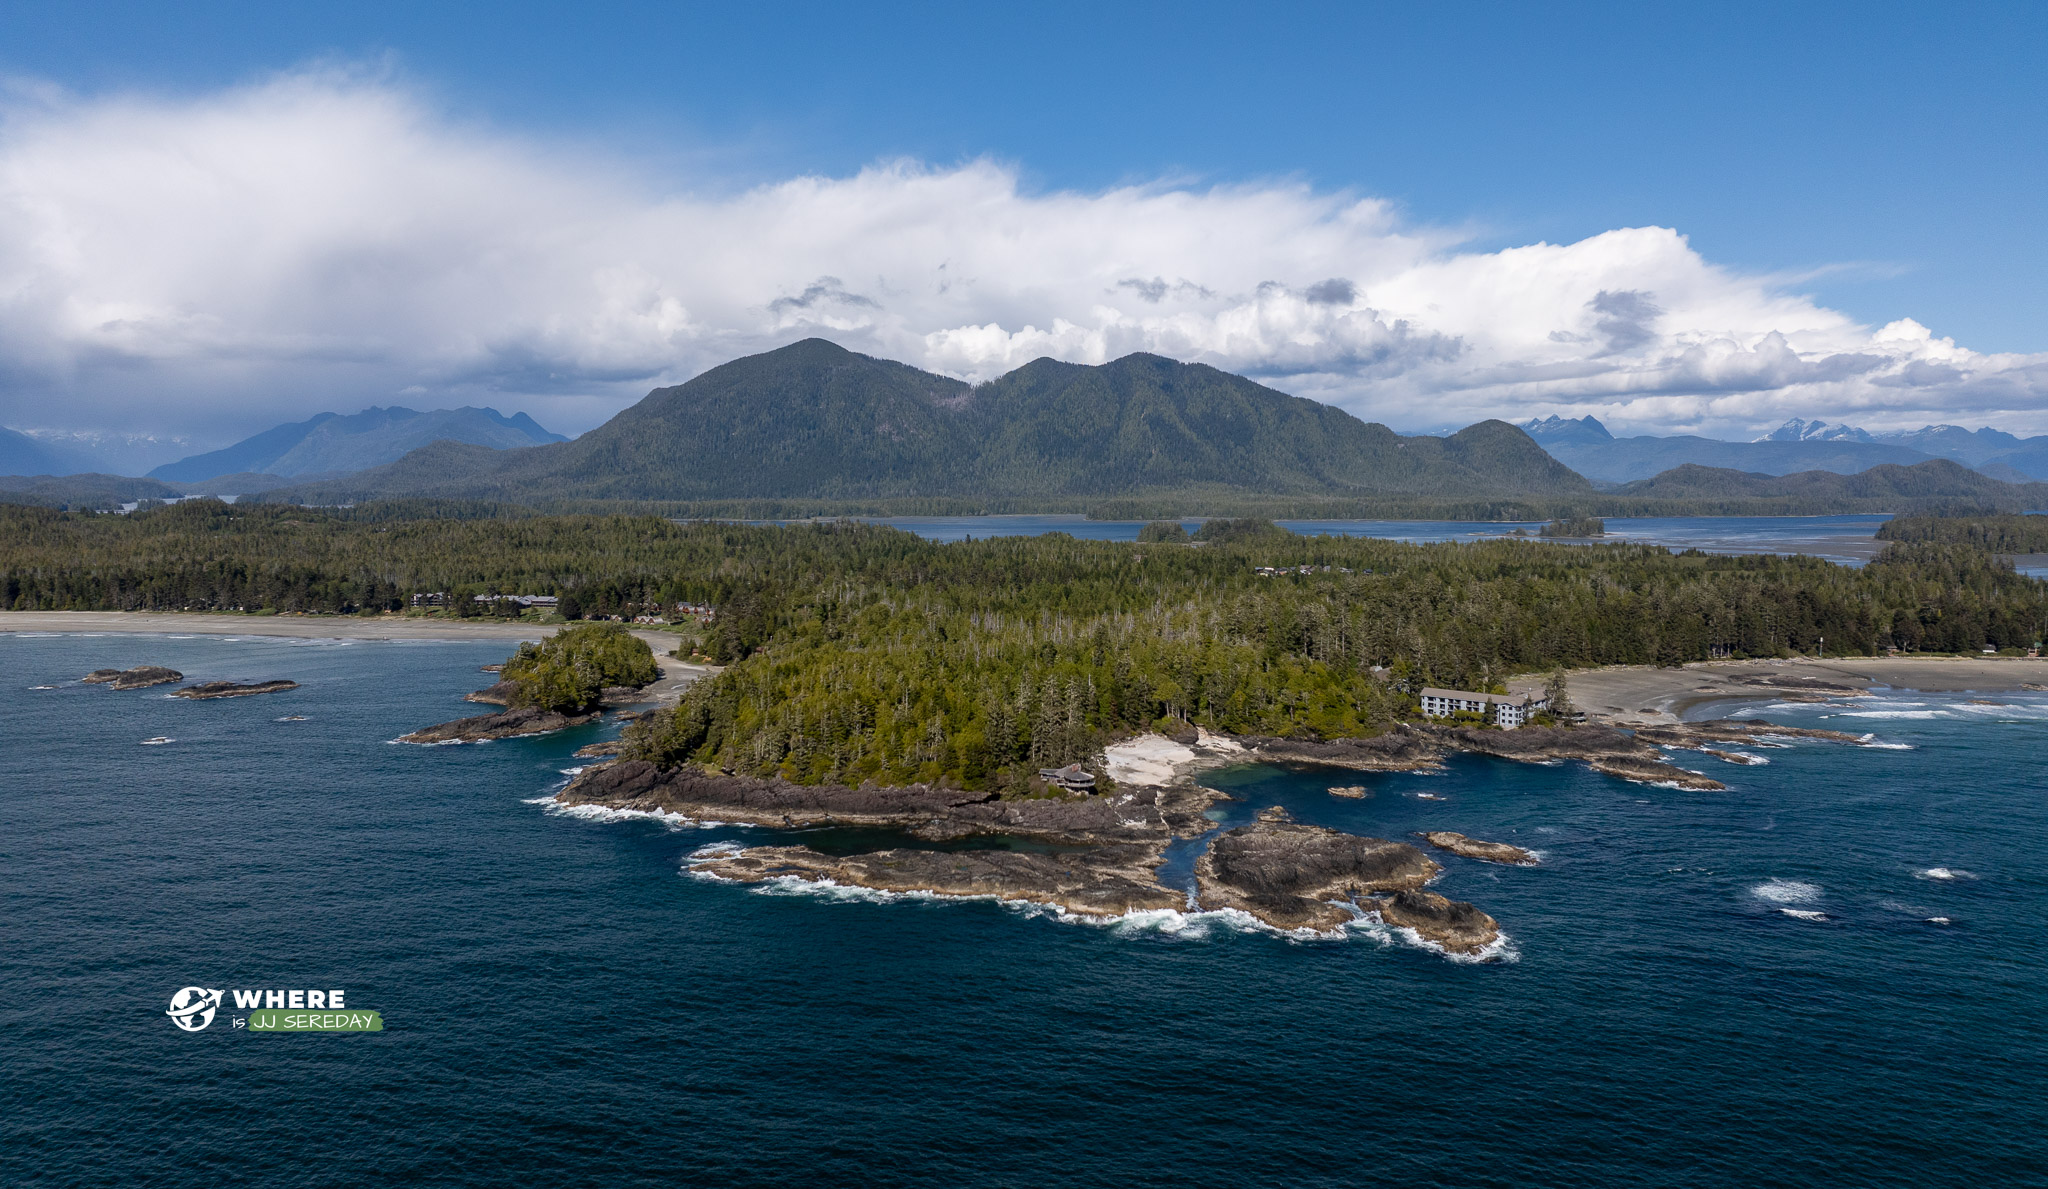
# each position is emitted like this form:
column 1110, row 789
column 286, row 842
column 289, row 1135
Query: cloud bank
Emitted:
column 215, row 264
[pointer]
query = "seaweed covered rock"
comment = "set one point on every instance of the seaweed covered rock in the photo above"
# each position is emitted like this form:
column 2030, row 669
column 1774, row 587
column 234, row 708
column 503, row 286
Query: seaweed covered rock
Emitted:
column 140, row 677
column 1290, row 875
column 207, row 690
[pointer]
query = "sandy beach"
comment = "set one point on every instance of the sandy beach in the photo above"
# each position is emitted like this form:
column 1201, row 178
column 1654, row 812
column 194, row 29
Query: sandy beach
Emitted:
column 675, row 675
column 1643, row 694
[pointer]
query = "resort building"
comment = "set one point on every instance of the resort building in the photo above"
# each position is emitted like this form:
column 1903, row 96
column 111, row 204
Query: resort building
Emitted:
column 1073, row 778
column 1506, row 711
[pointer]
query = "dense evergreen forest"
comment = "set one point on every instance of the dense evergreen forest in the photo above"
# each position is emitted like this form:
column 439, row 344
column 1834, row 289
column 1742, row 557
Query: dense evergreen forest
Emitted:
column 857, row 651
column 1996, row 534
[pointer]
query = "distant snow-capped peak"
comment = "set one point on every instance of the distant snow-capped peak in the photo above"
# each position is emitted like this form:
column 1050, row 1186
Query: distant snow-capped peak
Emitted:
column 1797, row 430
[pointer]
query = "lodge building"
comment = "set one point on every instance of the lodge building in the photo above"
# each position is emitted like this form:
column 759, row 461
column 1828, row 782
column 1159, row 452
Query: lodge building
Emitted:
column 1506, row 711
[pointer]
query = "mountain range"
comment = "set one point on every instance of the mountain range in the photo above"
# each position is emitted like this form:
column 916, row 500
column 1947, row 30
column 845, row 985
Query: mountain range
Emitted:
column 332, row 444
column 815, row 421
column 1587, row 447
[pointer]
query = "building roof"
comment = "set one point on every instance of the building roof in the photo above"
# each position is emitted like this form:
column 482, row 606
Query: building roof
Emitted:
column 1464, row 695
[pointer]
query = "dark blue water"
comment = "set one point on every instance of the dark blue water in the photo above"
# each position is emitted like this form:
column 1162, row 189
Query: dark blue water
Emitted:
column 564, row 1006
column 1847, row 539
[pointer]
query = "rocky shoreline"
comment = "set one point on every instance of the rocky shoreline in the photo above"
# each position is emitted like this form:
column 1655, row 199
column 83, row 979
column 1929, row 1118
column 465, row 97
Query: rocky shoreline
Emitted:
column 1286, row 874
column 511, row 724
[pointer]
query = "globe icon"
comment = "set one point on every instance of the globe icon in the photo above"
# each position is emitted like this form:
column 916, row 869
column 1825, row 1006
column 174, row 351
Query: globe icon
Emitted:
column 192, row 1008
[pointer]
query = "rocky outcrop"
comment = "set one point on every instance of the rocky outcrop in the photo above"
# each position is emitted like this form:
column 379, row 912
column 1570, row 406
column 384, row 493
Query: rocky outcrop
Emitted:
column 140, row 677
column 1132, row 815
column 1294, row 876
column 1101, row 881
column 1739, row 730
column 1604, row 749
column 1398, row 750
column 530, row 720
column 1455, row 925
column 1473, row 848
column 1353, row 791
column 495, row 695
column 228, row 689
column 597, row 751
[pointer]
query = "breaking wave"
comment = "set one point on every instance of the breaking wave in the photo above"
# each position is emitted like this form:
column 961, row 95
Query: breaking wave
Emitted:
column 605, row 813
column 1786, row 891
column 1943, row 873
column 1804, row 914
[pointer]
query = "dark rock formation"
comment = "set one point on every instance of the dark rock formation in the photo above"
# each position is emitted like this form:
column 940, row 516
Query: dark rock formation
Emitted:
column 1473, row 848
column 499, row 694
column 1738, row 730
column 1286, row 874
column 596, row 751
column 140, row 677
column 228, row 689
column 1135, row 815
column 1101, row 881
column 530, row 720
column 1605, row 749
column 1396, row 751
column 1453, row 924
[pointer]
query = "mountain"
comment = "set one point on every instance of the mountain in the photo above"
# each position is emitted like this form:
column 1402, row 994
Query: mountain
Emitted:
column 815, row 421
column 1586, row 446
column 1936, row 479
column 331, row 443
column 21, row 454
column 1796, row 430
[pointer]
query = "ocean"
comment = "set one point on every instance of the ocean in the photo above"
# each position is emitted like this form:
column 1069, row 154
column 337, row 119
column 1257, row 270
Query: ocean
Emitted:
column 1831, row 974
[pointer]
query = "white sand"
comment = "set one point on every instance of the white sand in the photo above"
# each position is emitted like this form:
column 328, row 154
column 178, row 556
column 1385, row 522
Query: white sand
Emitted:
column 1152, row 761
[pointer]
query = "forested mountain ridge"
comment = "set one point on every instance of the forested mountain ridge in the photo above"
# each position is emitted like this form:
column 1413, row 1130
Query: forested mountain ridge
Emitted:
column 814, row 420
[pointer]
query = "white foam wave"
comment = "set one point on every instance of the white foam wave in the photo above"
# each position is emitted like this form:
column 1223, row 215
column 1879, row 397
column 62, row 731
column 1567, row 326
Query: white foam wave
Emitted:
column 1943, row 873
column 42, row 687
column 1892, row 714
column 1939, row 921
column 1190, row 924
column 159, row 741
column 605, row 813
column 1786, row 891
column 1804, row 914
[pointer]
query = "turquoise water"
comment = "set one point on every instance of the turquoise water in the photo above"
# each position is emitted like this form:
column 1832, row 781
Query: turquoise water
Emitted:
column 1831, row 974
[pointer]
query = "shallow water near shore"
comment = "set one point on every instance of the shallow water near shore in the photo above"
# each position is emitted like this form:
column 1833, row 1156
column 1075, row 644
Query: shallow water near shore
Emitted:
column 1832, row 973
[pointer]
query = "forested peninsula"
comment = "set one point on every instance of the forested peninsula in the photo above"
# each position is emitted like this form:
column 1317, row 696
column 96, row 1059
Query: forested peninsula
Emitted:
column 858, row 652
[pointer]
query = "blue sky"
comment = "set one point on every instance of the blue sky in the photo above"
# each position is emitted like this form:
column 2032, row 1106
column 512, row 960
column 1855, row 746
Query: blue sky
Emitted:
column 1883, row 161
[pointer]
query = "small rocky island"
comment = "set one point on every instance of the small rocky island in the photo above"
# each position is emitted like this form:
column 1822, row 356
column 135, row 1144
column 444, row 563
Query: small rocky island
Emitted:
column 140, row 677
column 227, row 689
column 1473, row 848
column 562, row 682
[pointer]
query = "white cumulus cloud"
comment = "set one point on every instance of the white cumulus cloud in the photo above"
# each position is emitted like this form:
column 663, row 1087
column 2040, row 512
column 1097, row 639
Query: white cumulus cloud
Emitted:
column 321, row 240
